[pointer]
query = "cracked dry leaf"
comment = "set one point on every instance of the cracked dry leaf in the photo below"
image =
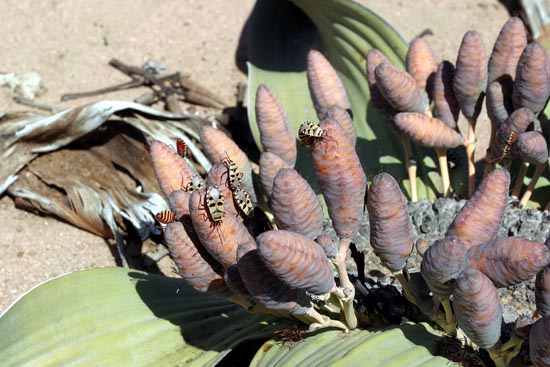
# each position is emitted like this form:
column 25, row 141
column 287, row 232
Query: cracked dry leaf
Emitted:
column 95, row 185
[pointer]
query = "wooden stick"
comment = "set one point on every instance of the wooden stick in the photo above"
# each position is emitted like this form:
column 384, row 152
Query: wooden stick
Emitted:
column 28, row 102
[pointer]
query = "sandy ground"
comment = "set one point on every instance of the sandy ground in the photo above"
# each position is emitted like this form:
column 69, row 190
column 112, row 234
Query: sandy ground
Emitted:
column 69, row 44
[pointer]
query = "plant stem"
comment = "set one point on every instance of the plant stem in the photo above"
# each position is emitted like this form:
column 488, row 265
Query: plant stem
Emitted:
column 519, row 180
column 470, row 145
column 449, row 314
column 340, row 264
column 318, row 321
column 503, row 354
column 405, row 285
column 444, row 169
column 410, row 164
column 527, row 195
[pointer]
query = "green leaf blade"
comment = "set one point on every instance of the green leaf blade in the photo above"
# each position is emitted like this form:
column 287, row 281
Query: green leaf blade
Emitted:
column 404, row 345
column 114, row 316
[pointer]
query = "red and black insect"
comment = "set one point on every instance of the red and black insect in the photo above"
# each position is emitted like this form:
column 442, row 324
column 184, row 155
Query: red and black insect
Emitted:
column 505, row 148
column 165, row 216
column 181, row 148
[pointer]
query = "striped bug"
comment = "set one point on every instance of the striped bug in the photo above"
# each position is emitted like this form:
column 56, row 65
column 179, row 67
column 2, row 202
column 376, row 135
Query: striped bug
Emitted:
column 505, row 148
column 181, row 148
column 235, row 176
column 165, row 217
column 309, row 131
column 195, row 184
column 214, row 204
column 242, row 199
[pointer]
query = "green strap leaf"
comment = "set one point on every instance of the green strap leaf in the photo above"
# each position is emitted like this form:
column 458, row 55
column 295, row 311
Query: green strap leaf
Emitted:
column 405, row 345
column 121, row 317
column 280, row 35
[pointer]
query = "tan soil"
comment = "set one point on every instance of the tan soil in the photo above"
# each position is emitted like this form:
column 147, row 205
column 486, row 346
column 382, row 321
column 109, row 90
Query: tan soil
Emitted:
column 69, row 43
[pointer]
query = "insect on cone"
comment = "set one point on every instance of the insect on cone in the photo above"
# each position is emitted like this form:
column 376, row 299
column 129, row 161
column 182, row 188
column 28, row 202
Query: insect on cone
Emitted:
column 171, row 170
column 218, row 147
column 507, row 133
column 220, row 236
